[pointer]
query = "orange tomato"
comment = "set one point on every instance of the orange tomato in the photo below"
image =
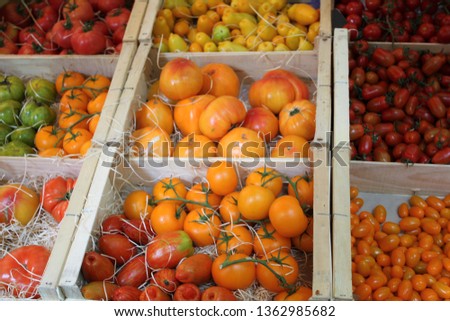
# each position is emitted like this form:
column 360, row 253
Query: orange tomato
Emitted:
column 302, row 294
column 180, row 79
column 222, row 178
column 49, row 137
column 235, row 239
column 74, row 139
column 277, row 272
column 233, row 272
column 203, row 226
column 200, row 195
column 255, row 201
column 93, row 123
column 195, row 145
column 85, row 147
column 220, row 80
column 95, row 85
column 167, row 217
column 68, row 79
column 155, row 114
column 138, row 204
column 287, row 216
column 96, row 104
column 73, row 119
column 74, row 99
column 268, row 240
column 229, row 211
column 291, row 146
column 52, row 152
column 298, row 118
column 302, row 188
column 241, row 142
column 266, row 177
column 169, row 189
column 153, row 142
column 220, row 115
column 187, row 113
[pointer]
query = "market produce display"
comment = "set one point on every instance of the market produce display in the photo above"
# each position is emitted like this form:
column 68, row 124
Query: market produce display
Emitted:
column 55, row 118
column 83, row 27
column 29, row 219
column 407, row 258
column 426, row 21
column 195, row 111
column 236, row 25
column 399, row 104
column 206, row 240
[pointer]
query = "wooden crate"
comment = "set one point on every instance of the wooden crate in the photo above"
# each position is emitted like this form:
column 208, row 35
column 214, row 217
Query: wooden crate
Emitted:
column 36, row 171
column 380, row 183
column 115, row 67
column 135, row 21
column 145, row 34
column 114, row 179
column 312, row 66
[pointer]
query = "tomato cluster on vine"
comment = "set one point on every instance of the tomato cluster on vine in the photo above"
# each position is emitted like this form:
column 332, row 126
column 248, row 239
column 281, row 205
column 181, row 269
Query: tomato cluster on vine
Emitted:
column 397, row 20
column 399, row 105
column 86, row 27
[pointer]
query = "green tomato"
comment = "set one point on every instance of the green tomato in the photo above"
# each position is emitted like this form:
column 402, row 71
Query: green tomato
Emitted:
column 24, row 134
column 9, row 112
column 41, row 90
column 220, row 33
column 35, row 114
column 16, row 148
column 11, row 87
column 5, row 130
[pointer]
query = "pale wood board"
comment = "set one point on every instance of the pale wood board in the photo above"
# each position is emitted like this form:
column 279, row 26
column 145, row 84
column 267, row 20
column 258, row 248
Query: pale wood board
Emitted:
column 135, row 21
column 322, row 260
column 326, row 7
column 48, row 288
column 115, row 91
column 340, row 172
column 145, row 34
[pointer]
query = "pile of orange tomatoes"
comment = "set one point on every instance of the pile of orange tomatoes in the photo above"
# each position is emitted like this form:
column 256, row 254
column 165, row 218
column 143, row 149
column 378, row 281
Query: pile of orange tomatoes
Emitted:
column 203, row 104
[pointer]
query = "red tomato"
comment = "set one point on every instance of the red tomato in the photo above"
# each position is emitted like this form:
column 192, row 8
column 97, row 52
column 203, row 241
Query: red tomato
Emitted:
column 195, row 269
column 56, row 195
column 187, row 292
column 16, row 13
column 365, row 145
column 138, row 230
column 411, row 153
column 31, row 34
column 62, row 31
column 168, row 249
column 373, row 91
column 112, row 224
column 96, row 267
column 117, row 246
column 134, row 273
column 383, row 57
column 437, row 107
column 372, row 32
column 442, row 156
column 86, row 41
column 218, row 293
column 126, row 293
column 165, row 279
column 45, row 18
column 263, row 121
column 117, row 18
column 108, row 5
column 21, row 270
column 79, row 10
